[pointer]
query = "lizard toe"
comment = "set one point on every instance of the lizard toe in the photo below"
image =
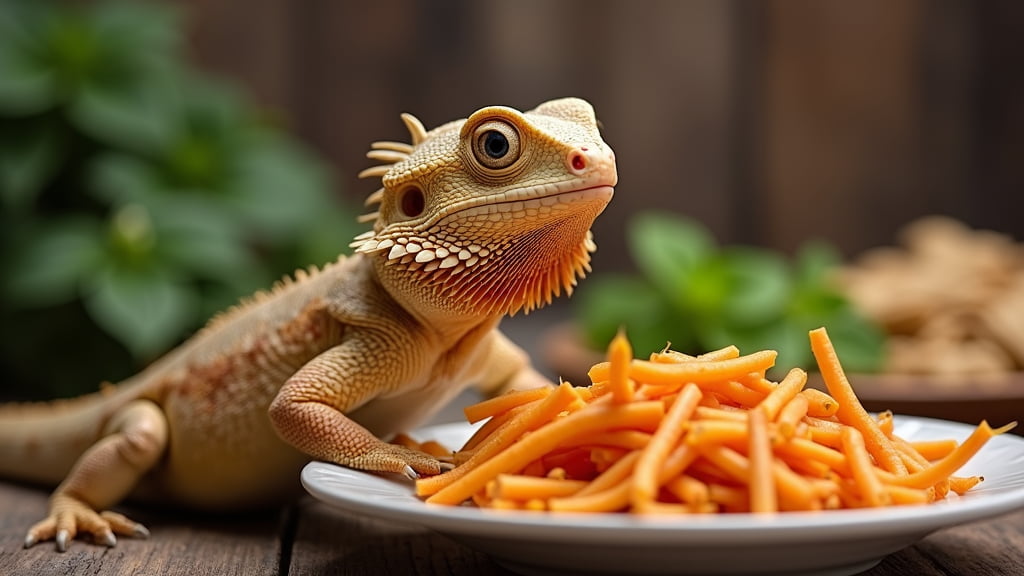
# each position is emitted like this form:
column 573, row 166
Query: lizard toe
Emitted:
column 399, row 460
column 69, row 517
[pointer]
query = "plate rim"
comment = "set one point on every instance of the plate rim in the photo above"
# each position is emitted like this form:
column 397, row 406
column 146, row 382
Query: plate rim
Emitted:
column 632, row 530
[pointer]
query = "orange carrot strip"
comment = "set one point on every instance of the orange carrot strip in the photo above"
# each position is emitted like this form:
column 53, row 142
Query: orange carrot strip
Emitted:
column 614, row 475
column 697, row 371
column 902, row 495
column 802, row 448
column 762, row 483
column 934, row 449
column 791, row 415
column 790, row 386
column 492, row 406
column 435, row 449
column 961, row 484
column 518, row 487
column 868, row 484
column 794, row 491
column 671, row 357
column 729, row 432
column 702, row 371
column 758, row 383
column 727, row 353
column 707, row 413
column 644, row 415
column 955, row 460
column 610, row 500
column 885, row 422
column 850, row 411
column 733, row 391
column 620, row 353
column 645, row 475
column 628, row 439
column 688, row 489
column 530, row 419
column 730, row 462
column 491, row 426
column 729, row 497
column 819, row 404
column 403, row 439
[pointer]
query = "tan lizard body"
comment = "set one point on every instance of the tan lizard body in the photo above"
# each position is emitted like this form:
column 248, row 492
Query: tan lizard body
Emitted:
column 477, row 219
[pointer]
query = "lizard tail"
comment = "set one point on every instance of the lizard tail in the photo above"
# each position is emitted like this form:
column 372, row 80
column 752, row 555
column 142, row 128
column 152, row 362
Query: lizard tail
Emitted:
column 39, row 442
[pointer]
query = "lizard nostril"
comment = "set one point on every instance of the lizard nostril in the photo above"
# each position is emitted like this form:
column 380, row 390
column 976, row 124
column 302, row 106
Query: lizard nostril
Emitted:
column 578, row 161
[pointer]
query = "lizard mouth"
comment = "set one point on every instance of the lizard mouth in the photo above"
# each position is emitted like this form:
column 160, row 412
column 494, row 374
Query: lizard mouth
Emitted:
column 526, row 203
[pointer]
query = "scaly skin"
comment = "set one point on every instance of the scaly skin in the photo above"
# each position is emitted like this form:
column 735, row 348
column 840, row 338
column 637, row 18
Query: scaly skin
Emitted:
column 477, row 219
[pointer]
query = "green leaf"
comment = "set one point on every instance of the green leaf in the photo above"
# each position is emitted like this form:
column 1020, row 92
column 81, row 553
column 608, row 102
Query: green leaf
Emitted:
column 30, row 154
column 667, row 248
column 814, row 263
column 116, row 178
column 145, row 309
column 27, row 84
column 759, row 286
column 278, row 191
column 153, row 29
column 139, row 114
column 703, row 291
column 328, row 235
column 52, row 261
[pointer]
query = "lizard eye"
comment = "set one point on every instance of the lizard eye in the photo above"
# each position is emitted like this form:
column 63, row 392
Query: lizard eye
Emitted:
column 496, row 144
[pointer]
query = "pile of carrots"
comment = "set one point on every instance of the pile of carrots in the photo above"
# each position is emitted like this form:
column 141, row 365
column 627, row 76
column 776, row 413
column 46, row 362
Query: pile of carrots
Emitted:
column 683, row 434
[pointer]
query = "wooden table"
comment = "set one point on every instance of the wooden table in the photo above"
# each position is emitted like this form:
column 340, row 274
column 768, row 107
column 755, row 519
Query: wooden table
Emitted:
column 314, row 539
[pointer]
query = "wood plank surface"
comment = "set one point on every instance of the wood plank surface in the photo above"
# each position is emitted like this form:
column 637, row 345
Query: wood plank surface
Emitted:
column 329, row 542
column 180, row 544
column 311, row 538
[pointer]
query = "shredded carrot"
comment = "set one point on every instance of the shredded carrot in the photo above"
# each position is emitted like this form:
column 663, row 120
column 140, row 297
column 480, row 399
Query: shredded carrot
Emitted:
column 653, row 456
column 763, row 498
column 851, row 412
column 498, row 404
column 682, row 434
column 619, row 355
column 819, row 404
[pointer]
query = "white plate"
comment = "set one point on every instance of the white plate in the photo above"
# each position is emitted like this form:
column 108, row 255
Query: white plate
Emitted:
column 831, row 542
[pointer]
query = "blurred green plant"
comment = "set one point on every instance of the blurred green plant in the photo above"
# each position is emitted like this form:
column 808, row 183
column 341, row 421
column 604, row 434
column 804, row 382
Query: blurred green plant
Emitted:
column 702, row 297
column 139, row 196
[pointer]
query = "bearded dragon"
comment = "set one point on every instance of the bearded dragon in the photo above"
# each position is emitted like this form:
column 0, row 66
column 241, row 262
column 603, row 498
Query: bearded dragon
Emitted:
column 476, row 219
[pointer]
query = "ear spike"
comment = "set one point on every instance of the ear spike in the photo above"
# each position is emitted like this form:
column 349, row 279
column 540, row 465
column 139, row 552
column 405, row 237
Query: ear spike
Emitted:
column 374, row 198
column 389, row 156
column 368, row 217
column 416, row 130
column 393, row 146
column 374, row 172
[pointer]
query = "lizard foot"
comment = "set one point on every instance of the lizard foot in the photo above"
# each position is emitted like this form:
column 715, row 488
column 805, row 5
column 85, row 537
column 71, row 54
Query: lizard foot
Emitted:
column 400, row 460
column 69, row 516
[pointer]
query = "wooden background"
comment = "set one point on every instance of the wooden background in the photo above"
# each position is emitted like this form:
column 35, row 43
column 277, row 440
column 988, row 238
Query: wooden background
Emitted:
column 771, row 122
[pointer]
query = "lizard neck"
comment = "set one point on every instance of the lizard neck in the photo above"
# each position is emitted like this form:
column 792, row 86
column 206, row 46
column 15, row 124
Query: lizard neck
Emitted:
column 521, row 269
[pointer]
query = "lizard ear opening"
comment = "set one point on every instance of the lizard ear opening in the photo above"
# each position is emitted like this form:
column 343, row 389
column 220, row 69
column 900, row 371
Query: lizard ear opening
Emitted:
column 412, row 202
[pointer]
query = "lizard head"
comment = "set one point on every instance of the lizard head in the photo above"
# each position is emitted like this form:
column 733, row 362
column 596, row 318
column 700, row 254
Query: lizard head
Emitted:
column 491, row 214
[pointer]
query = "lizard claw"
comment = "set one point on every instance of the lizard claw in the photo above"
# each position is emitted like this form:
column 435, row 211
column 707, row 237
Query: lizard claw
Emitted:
column 410, row 473
column 69, row 516
column 63, row 538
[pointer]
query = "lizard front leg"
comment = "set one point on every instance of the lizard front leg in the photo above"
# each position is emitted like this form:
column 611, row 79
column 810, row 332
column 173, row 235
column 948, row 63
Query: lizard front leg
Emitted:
column 133, row 441
column 309, row 410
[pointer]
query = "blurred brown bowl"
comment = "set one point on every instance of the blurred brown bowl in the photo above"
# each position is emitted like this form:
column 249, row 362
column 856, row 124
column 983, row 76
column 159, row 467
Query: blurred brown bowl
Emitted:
column 969, row 399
